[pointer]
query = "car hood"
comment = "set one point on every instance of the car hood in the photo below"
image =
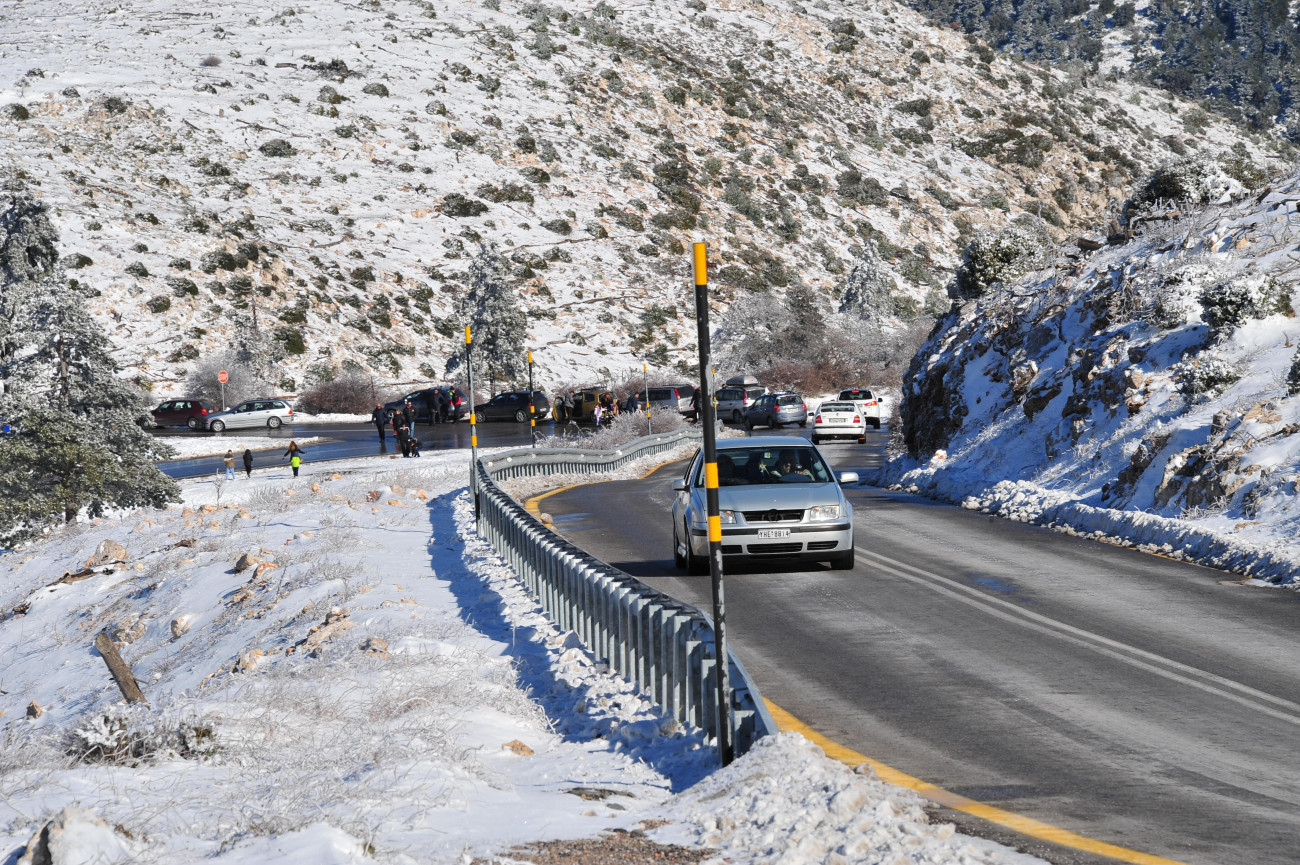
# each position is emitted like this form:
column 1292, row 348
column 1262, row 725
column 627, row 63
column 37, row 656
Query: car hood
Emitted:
column 785, row 496
column 219, row 414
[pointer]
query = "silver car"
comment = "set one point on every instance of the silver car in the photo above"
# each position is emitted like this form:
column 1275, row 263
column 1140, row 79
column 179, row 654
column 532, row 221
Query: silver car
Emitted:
column 777, row 498
column 271, row 413
column 734, row 400
column 774, row 409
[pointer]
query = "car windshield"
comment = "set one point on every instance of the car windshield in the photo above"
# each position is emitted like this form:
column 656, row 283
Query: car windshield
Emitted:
column 757, row 466
column 837, row 406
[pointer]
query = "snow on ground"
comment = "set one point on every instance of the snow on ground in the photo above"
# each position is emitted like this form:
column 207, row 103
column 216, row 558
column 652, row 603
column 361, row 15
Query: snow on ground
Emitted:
column 1147, row 395
column 203, row 445
column 300, row 418
column 379, row 687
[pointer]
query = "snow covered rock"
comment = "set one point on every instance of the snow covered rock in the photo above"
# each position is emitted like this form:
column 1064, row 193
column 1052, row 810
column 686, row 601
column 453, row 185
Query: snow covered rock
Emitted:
column 75, row 837
column 108, row 552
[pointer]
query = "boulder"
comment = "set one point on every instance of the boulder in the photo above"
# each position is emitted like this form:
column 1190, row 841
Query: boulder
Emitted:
column 108, row 552
column 127, row 631
column 246, row 561
column 181, row 624
column 34, row 709
column 75, row 837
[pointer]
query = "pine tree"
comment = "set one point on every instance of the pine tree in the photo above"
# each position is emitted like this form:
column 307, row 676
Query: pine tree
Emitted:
column 868, row 289
column 499, row 328
column 82, row 448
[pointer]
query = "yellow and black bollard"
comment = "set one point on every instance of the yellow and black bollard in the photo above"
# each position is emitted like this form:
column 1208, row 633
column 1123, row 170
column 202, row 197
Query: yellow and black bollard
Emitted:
column 706, row 419
column 473, row 427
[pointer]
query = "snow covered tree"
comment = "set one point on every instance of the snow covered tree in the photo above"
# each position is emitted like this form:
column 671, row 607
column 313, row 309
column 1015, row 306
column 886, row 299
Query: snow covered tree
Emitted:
column 499, row 328
column 81, row 446
column 868, row 289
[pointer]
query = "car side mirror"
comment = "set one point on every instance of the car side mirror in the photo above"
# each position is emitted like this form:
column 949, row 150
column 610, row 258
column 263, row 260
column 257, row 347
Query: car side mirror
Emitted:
column 849, row 478
column 679, row 485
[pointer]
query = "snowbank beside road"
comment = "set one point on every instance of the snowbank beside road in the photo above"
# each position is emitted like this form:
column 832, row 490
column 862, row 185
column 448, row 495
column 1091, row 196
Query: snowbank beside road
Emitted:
column 371, row 682
column 207, row 445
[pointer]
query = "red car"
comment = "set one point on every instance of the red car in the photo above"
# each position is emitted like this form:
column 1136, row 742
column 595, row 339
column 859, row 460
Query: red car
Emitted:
column 192, row 413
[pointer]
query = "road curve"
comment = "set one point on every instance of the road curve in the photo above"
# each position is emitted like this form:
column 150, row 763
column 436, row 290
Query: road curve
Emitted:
column 1143, row 702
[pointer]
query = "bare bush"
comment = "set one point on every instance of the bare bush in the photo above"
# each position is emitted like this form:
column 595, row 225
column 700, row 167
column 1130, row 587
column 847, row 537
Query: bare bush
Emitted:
column 349, row 394
column 618, row 431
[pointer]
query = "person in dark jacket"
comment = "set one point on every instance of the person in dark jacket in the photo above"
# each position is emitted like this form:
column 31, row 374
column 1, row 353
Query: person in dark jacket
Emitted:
column 408, row 415
column 378, row 418
column 248, row 462
column 294, row 453
column 413, row 444
column 403, row 436
column 696, row 414
column 435, row 407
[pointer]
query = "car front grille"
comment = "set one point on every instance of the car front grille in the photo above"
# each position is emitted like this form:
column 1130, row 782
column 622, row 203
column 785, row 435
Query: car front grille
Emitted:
column 732, row 549
column 774, row 549
column 772, row 516
column 821, row 545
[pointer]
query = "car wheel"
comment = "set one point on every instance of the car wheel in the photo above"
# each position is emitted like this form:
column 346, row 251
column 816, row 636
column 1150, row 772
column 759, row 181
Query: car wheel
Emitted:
column 816, row 440
column 479, row 417
column 217, row 426
column 736, row 417
column 843, row 562
column 678, row 559
column 803, row 423
column 273, row 423
column 192, row 423
column 875, row 423
column 862, row 440
column 696, row 566
column 749, row 425
column 521, row 416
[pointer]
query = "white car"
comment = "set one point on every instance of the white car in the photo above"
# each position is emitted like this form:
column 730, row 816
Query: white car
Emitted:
column 777, row 498
column 839, row 420
column 866, row 402
column 271, row 413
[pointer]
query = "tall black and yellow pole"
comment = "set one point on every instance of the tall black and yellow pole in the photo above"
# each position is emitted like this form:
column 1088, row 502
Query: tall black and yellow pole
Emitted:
column 532, row 418
column 708, row 424
column 473, row 427
column 645, row 387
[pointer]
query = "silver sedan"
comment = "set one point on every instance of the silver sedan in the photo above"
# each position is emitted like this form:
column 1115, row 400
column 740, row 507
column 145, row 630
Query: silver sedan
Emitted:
column 778, row 499
column 270, row 413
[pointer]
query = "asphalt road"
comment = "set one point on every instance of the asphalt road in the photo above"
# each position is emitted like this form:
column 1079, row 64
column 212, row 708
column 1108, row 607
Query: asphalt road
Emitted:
column 1144, row 702
column 342, row 441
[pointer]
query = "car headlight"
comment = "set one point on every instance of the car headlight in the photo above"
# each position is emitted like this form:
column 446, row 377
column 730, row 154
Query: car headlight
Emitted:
column 728, row 517
column 823, row 513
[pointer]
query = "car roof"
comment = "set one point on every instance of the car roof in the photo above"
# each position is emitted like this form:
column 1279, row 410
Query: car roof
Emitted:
column 764, row 442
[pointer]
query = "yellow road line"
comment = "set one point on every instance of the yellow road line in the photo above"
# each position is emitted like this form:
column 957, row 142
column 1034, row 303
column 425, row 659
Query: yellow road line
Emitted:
column 532, row 507
column 1016, row 822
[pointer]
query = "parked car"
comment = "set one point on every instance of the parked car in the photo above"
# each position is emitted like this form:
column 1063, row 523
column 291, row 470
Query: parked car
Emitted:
column 866, row 402
column 584, row 404
column 777, row 498
column 676, row 397
column 775, row 409
column 512, row 405
column 734, row 400
column 182, row 412
column 272, row 413
column 422, row 402
column 839, row 420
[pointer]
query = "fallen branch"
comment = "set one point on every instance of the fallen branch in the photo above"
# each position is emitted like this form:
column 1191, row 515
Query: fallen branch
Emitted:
column 121, row 672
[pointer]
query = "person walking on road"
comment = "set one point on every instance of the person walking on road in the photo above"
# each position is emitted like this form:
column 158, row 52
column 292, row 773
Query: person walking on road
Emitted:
column 379, row 420
column 403, row 439
column 294, row 453
column 229, row 461
column 437, row 411
column 248, row 462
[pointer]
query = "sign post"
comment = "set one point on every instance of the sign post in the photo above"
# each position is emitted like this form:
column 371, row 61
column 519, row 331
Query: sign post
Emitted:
column 707, row 422
column 645, row 386
column 223, row 377
column 473, row 428
column 532, row 418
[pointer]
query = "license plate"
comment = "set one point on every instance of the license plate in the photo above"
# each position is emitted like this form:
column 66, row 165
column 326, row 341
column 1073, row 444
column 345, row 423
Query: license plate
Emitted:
column 767, row 534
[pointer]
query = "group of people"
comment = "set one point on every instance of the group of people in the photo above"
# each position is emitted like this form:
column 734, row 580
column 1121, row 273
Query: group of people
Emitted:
column 403, row 423
column 607, row 406
column 293, row 455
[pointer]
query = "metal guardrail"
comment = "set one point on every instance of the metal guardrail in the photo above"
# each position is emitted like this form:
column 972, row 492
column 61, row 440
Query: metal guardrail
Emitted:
column 664, row 646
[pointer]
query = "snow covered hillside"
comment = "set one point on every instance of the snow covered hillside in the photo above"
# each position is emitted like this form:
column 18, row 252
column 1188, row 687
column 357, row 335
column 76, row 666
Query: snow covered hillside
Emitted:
column 338, row 670
column 326, row 172
column 1149, row 392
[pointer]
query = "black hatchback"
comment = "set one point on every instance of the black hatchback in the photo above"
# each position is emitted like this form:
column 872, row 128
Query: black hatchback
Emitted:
column 512, row 406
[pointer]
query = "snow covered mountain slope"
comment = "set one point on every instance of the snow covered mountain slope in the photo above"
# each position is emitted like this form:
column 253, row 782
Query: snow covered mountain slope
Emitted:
column 1148, row 393
column 327, row 171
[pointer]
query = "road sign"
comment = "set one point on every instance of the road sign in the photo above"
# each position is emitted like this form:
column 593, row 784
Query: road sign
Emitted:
column 223, row 376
